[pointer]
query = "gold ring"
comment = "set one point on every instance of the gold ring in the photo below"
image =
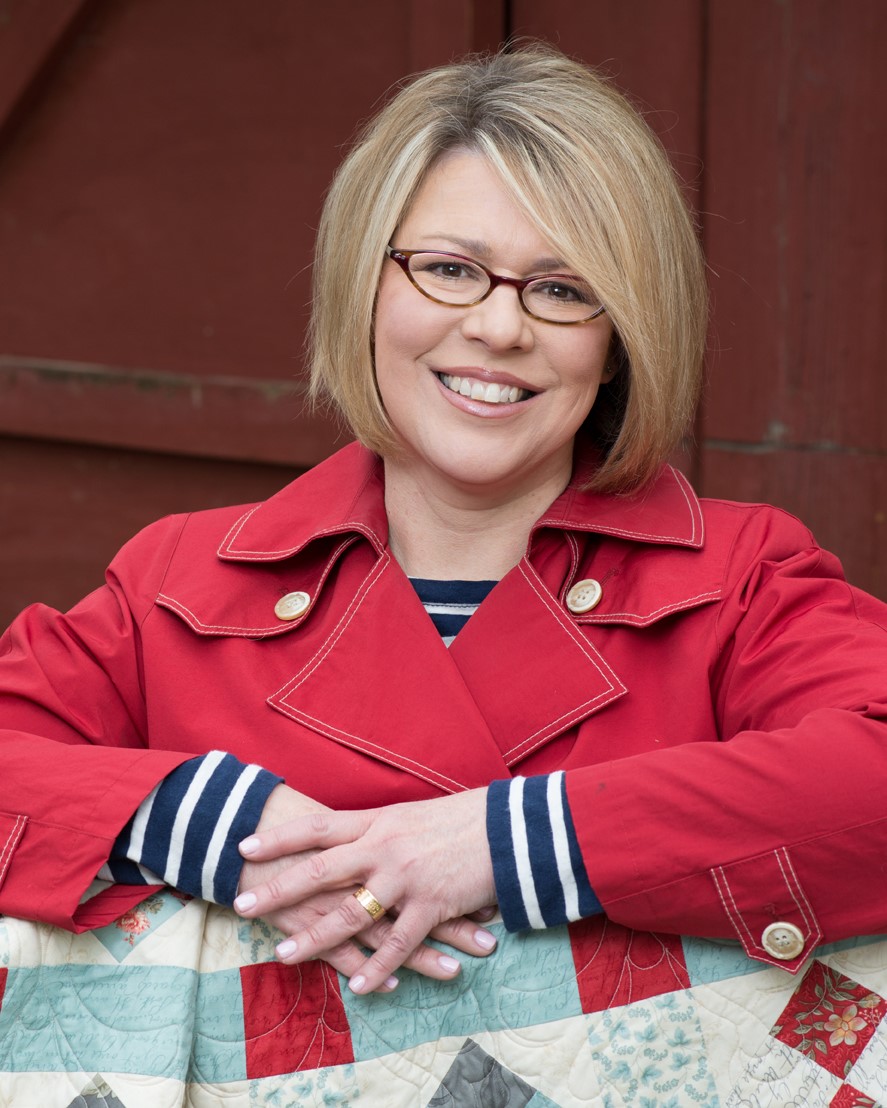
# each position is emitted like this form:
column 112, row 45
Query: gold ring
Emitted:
column 366, row 900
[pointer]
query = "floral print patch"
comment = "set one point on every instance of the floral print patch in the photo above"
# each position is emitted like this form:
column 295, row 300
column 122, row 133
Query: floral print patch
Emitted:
column 830, row 1018
column 122, row 936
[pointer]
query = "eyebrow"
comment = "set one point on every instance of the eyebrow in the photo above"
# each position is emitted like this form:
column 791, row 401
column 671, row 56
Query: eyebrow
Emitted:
column 481, row 249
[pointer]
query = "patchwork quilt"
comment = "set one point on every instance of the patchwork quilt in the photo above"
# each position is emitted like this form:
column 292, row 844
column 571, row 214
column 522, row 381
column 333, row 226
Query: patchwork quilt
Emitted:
column 181, row 1003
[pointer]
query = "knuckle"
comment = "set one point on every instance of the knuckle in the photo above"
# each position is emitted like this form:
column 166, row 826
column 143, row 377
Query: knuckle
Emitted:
column 354, row 914
column 398, row 944
column 274, row 889
column 316, row 867
column 318, row 823
column 314, row 935
column 376, row 933
column 422, row 959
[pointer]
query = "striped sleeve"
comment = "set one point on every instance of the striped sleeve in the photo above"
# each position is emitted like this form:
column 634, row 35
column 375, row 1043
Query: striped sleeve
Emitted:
column 185, row 833
column 538, row 867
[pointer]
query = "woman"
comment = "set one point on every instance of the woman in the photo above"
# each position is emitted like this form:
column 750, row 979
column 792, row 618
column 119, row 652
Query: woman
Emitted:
column 663, row 715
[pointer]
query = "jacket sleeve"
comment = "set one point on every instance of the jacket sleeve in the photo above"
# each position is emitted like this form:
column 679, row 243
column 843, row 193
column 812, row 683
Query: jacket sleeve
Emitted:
column 74, row 756
column 775, row 833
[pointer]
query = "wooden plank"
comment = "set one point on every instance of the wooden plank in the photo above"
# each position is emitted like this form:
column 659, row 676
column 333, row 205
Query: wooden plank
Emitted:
column 796, row 225
column 78, row 505
column 444, row 30
column 210, row 417
column 168, row 221
column 840, row 495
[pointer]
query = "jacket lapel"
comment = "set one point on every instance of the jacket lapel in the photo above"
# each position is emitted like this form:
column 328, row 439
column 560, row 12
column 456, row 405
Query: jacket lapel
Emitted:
column 530, row 671
column 382, row 682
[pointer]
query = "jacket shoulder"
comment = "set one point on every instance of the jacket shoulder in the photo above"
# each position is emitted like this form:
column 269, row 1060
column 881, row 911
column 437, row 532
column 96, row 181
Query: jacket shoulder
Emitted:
column 747, row 526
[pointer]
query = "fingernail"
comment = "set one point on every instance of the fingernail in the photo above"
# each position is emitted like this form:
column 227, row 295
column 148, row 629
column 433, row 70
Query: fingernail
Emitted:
column 357, row 984
column 450, row 965
column 484, row 939
column 485, row 914
column 249, row 846
column 245, row 901
column 391, row 982
column 286, row 948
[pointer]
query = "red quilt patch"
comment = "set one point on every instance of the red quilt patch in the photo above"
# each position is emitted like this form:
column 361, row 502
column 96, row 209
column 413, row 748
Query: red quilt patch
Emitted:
column 293, row 1018
column 616, row 966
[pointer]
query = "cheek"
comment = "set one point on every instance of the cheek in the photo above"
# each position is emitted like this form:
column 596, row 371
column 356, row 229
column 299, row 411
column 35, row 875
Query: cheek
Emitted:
column 585, row 361
column 407, row 326
column 398, row 322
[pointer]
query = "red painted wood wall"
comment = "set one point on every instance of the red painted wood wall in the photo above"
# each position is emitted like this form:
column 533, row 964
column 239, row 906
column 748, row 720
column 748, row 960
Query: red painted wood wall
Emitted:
column 162, row 167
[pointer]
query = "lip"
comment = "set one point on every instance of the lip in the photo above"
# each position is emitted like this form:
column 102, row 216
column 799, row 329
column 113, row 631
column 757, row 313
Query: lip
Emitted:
column 480, row 407
column 487, row 376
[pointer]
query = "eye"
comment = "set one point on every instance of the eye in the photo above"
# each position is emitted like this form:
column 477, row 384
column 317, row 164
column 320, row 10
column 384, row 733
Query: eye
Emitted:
column 562, row 290
column 452, row 270
column 445, row 268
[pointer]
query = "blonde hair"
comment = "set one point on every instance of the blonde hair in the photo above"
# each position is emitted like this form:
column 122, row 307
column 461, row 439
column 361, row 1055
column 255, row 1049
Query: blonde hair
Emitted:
column 591, row 176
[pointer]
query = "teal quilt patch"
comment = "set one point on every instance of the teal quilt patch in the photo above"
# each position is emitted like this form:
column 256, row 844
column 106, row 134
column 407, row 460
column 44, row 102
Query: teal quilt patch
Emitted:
column 528, row 972
column 98, row 1018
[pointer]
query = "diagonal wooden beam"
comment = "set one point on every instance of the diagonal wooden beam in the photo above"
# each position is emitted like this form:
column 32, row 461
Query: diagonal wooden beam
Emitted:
column 33, row 36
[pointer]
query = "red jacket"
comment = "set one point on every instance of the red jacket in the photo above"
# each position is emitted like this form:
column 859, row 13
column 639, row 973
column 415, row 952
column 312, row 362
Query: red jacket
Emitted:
column 721, row 713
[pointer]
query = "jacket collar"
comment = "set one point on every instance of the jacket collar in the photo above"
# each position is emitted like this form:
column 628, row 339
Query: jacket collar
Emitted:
column 345, row 496
column 341, row 496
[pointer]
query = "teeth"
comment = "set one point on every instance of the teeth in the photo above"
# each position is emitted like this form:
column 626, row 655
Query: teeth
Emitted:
column 477, row 390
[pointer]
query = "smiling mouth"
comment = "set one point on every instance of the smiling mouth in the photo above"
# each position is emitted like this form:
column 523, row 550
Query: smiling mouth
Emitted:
column 489, row 393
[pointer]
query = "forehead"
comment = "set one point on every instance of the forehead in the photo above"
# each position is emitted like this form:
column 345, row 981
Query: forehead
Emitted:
column 462, row 204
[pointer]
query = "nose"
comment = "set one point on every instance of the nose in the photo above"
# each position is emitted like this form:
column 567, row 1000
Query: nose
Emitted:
column 500, row 321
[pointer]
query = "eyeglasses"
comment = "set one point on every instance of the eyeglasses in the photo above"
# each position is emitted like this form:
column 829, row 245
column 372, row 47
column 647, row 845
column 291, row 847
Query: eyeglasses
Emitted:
column 460, row 283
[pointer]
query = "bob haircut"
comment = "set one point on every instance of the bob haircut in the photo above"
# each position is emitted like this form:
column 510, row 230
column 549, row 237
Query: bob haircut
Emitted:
column 592, row 177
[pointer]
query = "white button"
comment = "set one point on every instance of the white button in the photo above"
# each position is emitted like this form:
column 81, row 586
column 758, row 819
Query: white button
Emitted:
column 584, row 596
column 292, row 605
column 783, row 940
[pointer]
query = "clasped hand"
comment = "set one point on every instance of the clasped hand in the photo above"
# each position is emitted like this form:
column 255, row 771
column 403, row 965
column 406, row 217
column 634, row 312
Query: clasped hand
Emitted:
column 426, row 862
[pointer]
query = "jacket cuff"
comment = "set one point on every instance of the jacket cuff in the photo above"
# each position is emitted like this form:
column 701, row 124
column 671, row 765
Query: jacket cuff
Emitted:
column 185, row 833
column 539, row 872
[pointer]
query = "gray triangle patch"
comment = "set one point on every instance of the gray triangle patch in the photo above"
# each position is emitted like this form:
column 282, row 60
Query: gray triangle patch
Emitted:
column 477, row 1080
column 97, row 1094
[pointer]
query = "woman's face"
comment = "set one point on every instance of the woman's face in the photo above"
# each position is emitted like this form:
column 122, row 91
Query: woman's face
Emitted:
column 481, row 447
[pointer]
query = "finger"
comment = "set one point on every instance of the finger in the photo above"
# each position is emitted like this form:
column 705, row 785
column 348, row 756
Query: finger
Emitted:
column 315, row 831
column 400, row 942
column 335, row 868
column 426, row 960
column 347, row 958
column 328, row 931
column 465, row 935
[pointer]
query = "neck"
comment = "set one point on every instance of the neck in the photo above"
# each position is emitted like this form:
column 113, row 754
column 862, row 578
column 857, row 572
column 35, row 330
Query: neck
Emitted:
column 442, row 532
